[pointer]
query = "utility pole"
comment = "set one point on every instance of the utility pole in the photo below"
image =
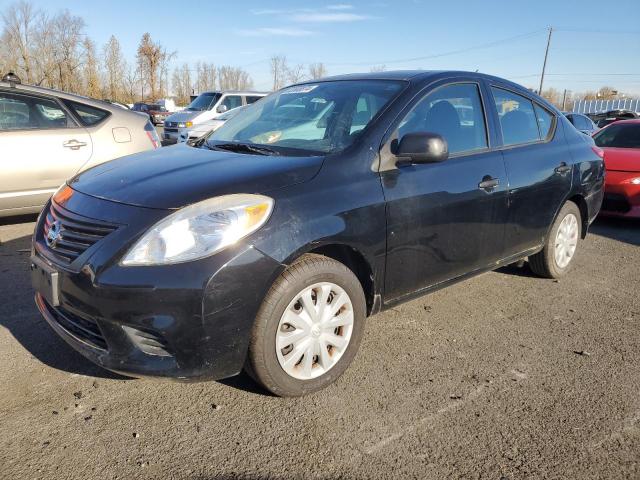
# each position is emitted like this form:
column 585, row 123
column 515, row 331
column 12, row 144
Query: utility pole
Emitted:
column 544, row 65
column 564, row 99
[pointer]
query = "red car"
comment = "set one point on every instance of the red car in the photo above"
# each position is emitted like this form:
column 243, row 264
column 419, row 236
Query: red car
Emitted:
column 621, row 144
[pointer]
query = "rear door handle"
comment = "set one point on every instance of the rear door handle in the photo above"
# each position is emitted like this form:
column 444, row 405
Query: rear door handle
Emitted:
column 74, row 144
column 488, row 183
column 562, row 168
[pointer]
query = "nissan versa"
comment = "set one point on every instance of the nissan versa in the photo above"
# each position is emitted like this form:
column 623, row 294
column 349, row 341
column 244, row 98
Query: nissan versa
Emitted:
column 266, row 244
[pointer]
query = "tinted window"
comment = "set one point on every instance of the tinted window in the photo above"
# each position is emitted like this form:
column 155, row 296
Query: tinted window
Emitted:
column 204, row 101
column 517, row 118
column 621, row 135
column 455, row 112
column 315, row 118
column 545, row 120
column 232, row 101
column 252, row 99
column 19, row 112
column 88, row 115
column 583, row 123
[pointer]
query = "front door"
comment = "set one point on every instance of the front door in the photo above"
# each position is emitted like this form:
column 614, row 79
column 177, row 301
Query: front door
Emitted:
column 445, row 219
column 41, row 147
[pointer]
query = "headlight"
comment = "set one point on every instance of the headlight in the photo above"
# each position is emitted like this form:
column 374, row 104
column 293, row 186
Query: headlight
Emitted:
column 185, row 124
column 200, row 229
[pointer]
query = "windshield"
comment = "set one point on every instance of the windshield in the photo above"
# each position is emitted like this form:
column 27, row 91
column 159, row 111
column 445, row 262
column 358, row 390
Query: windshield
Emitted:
column 202, row 102
column 318, row 118
column 157, row 108
column 620, row 135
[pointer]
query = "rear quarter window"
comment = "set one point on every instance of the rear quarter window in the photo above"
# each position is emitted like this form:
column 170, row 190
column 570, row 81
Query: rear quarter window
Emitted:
column 88, row 115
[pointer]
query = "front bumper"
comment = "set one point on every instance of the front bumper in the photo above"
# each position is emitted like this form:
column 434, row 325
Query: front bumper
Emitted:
column 173, row 135
column 621, row 197
column 186, row 321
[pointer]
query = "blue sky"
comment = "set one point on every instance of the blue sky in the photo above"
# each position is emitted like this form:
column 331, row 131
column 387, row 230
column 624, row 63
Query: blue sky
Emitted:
column 593, row 40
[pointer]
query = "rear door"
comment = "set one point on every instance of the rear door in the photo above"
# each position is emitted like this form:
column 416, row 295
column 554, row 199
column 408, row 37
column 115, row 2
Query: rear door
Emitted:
column 538, row 166
column 444, row 219
column 42, row 145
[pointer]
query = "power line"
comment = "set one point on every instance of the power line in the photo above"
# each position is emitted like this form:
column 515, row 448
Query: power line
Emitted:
column 443, row 54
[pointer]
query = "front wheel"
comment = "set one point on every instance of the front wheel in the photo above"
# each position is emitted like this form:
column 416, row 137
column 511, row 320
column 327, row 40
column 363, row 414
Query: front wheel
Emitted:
column 308, row 328
column 556, row 258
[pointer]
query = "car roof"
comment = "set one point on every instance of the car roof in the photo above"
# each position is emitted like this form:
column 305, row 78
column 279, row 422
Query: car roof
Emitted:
column 417, row 76
column 626, row 121
column 21, row 87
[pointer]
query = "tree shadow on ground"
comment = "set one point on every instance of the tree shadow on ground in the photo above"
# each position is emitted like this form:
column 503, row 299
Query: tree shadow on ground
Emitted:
column 19, row 315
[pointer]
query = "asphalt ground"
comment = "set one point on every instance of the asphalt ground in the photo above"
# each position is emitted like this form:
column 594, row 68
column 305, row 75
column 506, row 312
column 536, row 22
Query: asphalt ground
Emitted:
column 503, row 376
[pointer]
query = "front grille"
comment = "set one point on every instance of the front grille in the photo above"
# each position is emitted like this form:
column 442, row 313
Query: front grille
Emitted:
column 82, row 328
column 614, row 202
column 171, row 124
column 167, row 129
column 72, row 234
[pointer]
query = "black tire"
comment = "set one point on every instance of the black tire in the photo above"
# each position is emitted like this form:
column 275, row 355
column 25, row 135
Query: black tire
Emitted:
column 543, row 263
column 262, row 361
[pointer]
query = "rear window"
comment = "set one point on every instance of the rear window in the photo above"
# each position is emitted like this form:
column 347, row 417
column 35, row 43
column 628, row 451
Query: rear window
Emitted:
column 621, row 135
column 88, row 116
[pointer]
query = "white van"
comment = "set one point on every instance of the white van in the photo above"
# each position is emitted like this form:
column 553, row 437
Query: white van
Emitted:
column 206, row 106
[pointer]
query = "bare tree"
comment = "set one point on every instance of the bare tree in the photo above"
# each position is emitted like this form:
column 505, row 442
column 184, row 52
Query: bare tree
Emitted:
column 19, row 24
column 67, row 32
column 206, row 74
column 317, row 70
column 233, row 78
column 114, row 68
column 152, row 59
column 131, row 84
column 378, row 68
column 91, row 72
column 182, row 85
column 295, row 74
column 279, row 71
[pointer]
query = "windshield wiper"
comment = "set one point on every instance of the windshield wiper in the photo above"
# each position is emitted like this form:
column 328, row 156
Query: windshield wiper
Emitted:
column 245, row 147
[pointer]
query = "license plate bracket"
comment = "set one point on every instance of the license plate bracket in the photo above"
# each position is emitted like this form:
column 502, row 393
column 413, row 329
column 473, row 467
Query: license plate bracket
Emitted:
column 45, row 280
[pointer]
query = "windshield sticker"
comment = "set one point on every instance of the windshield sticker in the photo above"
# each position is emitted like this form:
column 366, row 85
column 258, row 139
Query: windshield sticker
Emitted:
column 300, row 89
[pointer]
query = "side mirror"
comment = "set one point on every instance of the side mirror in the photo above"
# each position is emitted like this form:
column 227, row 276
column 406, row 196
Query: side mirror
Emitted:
column 222, row 108
column 423, row 147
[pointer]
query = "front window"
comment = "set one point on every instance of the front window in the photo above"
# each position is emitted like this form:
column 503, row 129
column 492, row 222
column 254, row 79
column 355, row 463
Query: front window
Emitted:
column 621, row 135
column 319, row 118
column 203, row 102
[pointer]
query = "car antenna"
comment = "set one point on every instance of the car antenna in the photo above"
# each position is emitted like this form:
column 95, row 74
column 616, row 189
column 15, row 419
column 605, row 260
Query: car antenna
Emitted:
column 12, row 79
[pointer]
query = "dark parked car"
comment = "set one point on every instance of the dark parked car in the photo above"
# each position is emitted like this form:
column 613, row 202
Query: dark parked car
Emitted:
column 605, row 118
column 157, row 113
column 266, row 244
column 582, row 123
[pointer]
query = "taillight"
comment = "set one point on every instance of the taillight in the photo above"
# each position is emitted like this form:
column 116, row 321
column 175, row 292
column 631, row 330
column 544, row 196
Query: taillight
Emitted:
column 152, row 133
column 598, row 151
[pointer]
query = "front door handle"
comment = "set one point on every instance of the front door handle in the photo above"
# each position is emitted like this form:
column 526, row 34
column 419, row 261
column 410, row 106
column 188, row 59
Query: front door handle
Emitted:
column 562, row 168
column 74, row 144
column 488, row 183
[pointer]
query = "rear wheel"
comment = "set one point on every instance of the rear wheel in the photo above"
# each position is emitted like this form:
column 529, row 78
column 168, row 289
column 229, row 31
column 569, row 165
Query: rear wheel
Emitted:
column 308, row 328
column 556, row 258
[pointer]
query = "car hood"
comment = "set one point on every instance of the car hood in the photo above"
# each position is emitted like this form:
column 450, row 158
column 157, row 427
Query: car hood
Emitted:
column 622, row 159
column 182, row 116
column 173, row 177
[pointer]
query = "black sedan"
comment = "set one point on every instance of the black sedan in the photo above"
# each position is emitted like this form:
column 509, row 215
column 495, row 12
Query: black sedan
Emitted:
column 266, row 244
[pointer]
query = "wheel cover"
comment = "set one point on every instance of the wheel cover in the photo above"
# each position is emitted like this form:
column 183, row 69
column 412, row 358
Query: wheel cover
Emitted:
column 566, row 240
column 314, row 331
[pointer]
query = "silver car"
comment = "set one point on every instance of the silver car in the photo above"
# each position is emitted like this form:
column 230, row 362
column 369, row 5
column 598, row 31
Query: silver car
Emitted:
column 47, row 136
